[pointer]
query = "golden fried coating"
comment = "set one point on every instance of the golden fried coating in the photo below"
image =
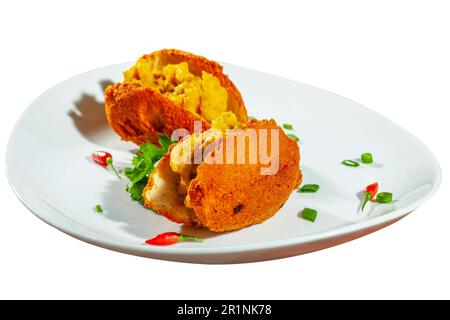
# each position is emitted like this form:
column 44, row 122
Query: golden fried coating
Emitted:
column 139, row 113
column 230, row 196
column 233, row 196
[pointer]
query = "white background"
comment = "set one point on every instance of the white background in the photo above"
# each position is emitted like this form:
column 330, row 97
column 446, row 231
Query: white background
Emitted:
column 392, row 56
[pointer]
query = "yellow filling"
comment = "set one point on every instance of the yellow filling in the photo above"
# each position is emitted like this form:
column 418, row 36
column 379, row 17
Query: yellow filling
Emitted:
column 226, row 120
column 201, row 95
column 183, row 158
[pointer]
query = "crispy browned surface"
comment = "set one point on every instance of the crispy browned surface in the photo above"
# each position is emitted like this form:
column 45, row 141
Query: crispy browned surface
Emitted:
column 227, row 196
column 161, row 195
column 233, row 196
column 139, row 113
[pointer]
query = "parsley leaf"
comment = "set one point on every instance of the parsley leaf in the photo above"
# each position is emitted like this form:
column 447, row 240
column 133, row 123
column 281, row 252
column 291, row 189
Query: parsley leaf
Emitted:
column 137, row 189
column 143, row 165
column 165, row 142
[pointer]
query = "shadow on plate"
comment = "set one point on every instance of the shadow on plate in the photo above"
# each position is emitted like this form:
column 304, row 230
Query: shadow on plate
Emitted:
column 375, row 165
column 89, row 118
column 203, row 233
column 374, row 209
column 120, row 208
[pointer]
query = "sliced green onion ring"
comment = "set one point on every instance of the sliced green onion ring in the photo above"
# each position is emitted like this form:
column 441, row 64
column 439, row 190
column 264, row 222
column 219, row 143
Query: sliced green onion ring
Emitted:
column 98, row 208
column 288, row 126
column 350, row 163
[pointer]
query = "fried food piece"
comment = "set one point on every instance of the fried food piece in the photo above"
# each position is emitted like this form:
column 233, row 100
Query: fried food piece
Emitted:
column 161, row 195
column 170, row 89
column 227, row 195
column 230, row 197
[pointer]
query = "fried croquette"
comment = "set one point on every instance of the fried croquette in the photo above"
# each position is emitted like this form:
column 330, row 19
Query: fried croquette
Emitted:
column 226, row 192
column 170, row 89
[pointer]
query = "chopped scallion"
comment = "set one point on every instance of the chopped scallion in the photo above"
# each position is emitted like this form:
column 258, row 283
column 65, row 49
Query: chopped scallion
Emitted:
column 384, row 197
column 98, row 208
column 288, row 126
column 293, row 136
column 309, row 214
column 350, row 163
column 309, row 188
column 367, row 158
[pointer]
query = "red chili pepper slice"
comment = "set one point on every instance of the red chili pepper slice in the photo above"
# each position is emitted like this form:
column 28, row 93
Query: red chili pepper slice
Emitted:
column 169, row 238
column 105, row 159
column 369, row 193
column 102, row 157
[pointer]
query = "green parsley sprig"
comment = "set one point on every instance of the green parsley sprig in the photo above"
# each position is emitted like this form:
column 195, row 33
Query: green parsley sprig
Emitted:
column 143, row 166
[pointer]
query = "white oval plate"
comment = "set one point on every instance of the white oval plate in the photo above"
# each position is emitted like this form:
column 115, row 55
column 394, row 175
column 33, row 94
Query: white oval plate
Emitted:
column 49, row 167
